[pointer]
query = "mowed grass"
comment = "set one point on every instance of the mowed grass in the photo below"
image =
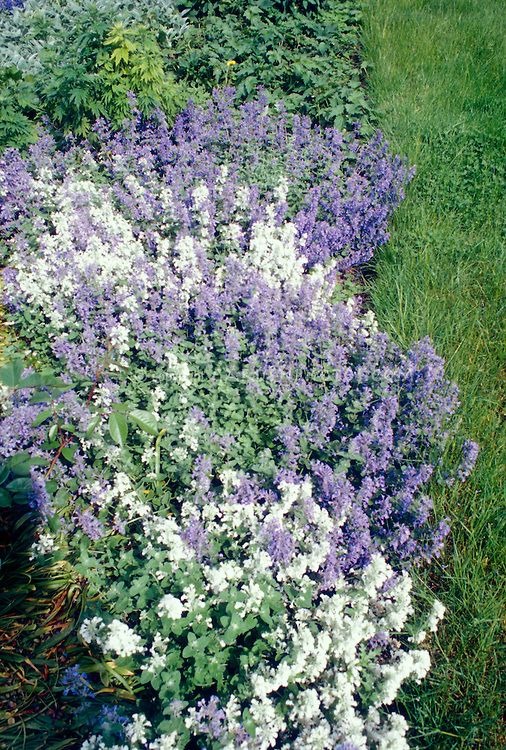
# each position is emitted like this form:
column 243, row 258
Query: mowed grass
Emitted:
column 437, row 82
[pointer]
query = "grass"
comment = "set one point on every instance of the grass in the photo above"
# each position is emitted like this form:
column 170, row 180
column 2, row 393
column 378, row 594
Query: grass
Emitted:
column 437, row 83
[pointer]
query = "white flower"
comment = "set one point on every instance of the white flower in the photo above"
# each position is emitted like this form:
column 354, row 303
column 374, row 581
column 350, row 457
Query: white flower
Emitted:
column 307, row 706
column 91, row 629
column 230, row 480
column 165, row 742
column 179, row 371
column 121, row 640
column 437, row 614
column 136, row 730
column 274, row 253
column 45, row 545
column 171, row 607
column 408, row 664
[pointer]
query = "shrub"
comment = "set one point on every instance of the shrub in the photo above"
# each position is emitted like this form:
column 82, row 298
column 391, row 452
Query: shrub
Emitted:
column 75, row 60
column 306, row 53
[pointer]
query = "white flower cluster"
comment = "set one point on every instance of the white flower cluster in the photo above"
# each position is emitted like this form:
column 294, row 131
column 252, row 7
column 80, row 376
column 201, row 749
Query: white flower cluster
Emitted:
column 115, row 638
column 178, row 371
column 432, row 622
column 366, row 324
column 45, row 545
column 274, row 251
column 314, row 689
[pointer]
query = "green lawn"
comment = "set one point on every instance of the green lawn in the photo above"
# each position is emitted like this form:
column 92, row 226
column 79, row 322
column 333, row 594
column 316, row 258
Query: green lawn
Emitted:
column 437, row 82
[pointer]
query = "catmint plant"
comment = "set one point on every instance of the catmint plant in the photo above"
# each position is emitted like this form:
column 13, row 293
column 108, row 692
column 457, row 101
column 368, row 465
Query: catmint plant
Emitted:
column 235, row 457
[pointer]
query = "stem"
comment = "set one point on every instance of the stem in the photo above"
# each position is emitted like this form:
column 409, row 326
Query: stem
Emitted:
column 157, row 453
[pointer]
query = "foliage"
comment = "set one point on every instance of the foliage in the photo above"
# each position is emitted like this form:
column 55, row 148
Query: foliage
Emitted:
column 76, row 61
column 43, row 25
column 74, row 92
column 40, row 605
column 18, row 103
column 306, row 54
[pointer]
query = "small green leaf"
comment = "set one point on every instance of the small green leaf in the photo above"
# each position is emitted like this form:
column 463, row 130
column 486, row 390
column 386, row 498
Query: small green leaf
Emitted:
column 4, row 473
column 69, row 452
column 145, row 420
column 5, row 499
column 21, row 485
column 10, row 374
column 118, row 428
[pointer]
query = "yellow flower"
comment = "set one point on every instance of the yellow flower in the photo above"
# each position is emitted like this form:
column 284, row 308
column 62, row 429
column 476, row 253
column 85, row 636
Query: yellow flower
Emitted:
column 231, row 62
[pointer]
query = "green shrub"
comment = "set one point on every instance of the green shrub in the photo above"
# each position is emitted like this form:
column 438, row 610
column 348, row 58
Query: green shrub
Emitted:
column 76, row 60
column 306, row 53
column 18, row 103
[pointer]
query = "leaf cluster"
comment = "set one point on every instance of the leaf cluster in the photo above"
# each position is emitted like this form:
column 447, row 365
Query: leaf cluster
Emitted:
column 83, row 63
column 306, row 53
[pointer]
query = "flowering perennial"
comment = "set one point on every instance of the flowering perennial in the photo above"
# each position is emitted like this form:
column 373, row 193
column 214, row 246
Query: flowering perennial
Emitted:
column 236, row 457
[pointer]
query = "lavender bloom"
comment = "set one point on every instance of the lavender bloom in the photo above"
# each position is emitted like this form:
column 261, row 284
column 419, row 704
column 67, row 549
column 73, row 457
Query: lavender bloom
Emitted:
column 470, row 452
column 210, row 718
column 9, row 5
column 110, row 715
column 40, row 499
column 195, row 536
column 90, row 524
column 75, row 683
column 17, row 432
column 280, row 544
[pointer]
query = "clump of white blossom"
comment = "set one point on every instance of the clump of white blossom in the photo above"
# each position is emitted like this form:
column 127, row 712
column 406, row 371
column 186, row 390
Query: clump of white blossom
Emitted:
column 332, row 658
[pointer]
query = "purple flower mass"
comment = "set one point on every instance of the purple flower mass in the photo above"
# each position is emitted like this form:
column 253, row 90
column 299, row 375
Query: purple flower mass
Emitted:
column 10, row 4
column 366, row 412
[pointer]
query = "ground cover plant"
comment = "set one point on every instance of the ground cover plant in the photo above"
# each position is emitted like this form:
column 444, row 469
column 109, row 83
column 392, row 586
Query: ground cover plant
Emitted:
column 437, row 85
column 232, row 454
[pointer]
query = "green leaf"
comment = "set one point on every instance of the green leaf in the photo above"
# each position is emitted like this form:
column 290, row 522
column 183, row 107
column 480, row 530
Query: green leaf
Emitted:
column 93, row 425
column 5, row 499
column 145, row 420
column 118, row 428
column 21, row 485
column 10, row 374
column 42, row 417
column 4, row 473
column 69, row 452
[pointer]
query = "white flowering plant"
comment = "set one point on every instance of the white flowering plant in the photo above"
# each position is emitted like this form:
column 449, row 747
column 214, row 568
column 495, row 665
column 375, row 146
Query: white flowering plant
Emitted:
column 236, row 639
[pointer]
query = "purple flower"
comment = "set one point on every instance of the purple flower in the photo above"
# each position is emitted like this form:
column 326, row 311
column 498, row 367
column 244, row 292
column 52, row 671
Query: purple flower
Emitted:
column 210, row 718
column 90, row 524
column 40, row 499
column 196, row 537
column 280, row 544
column 470, row 452
column 75, row 683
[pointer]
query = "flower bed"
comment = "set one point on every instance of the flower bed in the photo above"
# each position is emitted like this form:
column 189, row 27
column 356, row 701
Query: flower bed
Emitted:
column 234, row 456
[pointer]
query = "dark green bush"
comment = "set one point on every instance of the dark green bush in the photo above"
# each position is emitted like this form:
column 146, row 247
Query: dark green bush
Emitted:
column 18, row 103
column 75, row 60
column 306, row 53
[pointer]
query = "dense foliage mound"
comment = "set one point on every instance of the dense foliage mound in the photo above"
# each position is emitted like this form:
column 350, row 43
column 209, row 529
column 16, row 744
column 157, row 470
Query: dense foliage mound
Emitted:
column 306, row 52
column 71, row 61
column 74, row 60
column 232, row 454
